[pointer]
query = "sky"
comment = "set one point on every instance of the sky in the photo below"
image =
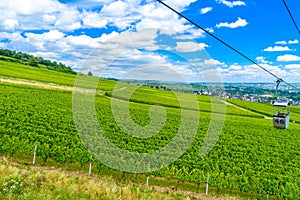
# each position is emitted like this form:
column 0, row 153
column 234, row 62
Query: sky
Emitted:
column 142, row 39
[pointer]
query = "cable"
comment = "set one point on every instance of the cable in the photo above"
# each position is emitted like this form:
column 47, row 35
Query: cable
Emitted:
column 287, row 8
column 226, row 44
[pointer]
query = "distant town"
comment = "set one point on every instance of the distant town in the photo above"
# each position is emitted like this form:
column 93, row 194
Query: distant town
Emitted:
column 255, row 92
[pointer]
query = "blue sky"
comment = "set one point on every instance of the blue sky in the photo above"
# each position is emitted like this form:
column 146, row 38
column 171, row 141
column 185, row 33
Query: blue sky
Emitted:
column 142, row 39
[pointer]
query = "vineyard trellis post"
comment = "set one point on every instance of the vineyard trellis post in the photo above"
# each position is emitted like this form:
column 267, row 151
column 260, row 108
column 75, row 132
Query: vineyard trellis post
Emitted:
column 34, row 154
column 147, row 179
column 206, row 191
column 90, row 168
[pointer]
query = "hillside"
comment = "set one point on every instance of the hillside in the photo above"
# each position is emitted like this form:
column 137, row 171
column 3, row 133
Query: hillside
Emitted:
column 31, row 182
column 251, row 159
column 38, row 62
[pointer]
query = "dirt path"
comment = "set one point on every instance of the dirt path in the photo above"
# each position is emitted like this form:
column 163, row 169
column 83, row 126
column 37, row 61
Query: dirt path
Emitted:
column 44, row 85
column 244, row 109
column 35, row 84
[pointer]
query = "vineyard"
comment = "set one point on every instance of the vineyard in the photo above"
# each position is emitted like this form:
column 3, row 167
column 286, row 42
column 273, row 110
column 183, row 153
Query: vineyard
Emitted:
column 250, row 156
column 265, row 108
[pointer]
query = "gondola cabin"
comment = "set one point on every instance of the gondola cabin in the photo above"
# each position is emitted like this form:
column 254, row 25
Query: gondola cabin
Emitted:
column 281, row 114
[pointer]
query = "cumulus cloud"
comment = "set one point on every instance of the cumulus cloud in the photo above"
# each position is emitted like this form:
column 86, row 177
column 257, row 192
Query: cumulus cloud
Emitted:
column 94, row 20
column 277, row 48
column 211, row 30
column 288, row 58
column 205, row 10
column 235, row 67
column 179, row 5
column 212, row 62
column 49, row 18
column 293, row 41
column 47, row 55
column 154, row 12
column 10, row 24
column 36, row 15
column 117, row 8
column 231, row 4
column 238, row 23
column 190, row 46
column 261, row 59
column 293, row 66
column 82, row 40
column 281, row 42
column 30, row 7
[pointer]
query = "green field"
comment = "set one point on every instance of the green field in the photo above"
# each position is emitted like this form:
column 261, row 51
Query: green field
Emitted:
column 250, row 158
column 266, row 108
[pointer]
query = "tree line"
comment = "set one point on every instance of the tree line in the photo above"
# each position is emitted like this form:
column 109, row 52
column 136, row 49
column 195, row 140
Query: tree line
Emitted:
column 33, row 61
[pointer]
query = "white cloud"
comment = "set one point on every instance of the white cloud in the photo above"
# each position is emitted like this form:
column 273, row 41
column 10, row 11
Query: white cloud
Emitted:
column 82, row 40
column 165, row 24
column 235, row 67
column 211, row 30
column 153, row 12
column 288, row 58
column 46, row 55
column 277, row 48
column 238, row 23
column 104, row 37
column 68, row 20
column 141, row 39
column 251, row 73
column 190, row 46
column 156, row 16
column 32, row 14
column 293, row 41
column 118, row 9
column 205, row 10
column 94, row 20
column 52, row 35
column 179, row 5
column 261, row 59
column 10, row 24
column 212, row 62
column 49, row 18
column 281, row 42
column 39, row 40
column 293, row 67
column 10, row 36
column 30, row 7
column 231, row 4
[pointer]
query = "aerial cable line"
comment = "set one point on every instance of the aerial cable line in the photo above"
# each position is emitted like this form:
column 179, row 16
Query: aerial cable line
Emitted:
column 226, row 44
column 287, row 8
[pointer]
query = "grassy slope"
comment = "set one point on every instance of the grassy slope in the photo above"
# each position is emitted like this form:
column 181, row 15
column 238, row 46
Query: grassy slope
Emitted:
column 30, row 182
column 246, row 139
column 16, row 70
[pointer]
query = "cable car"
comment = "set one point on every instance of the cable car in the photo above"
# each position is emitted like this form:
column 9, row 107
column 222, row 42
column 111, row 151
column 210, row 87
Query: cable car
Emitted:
column 281, row 110
column 281, row 114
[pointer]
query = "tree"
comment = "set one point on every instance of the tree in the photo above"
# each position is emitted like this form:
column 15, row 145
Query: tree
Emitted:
column 90, row 73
